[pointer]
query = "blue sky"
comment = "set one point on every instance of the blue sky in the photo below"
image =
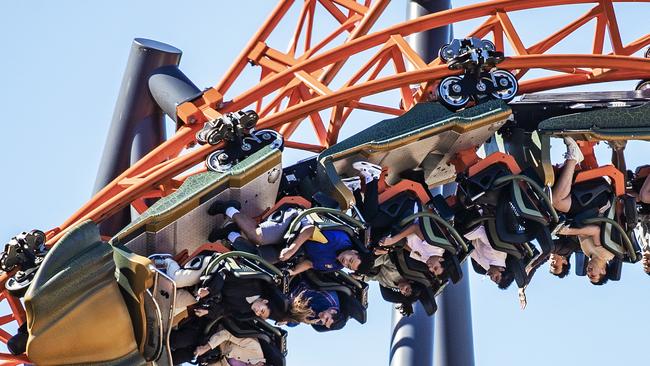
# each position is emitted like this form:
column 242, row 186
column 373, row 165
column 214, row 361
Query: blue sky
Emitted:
column 62, row 65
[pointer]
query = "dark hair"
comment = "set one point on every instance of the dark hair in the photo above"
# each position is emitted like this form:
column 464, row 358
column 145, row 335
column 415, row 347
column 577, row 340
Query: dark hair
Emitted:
column 565, row 269
column 507, row 277
column 603, row 280
column 405, row 308
column 276, row 311
column 416, row 291
column 366, row 265
column 477, row 267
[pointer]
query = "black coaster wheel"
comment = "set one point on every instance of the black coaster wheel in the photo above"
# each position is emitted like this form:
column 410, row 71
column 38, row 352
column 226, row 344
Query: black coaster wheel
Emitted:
column 219, row 161
column 19, row 283
column 488, row 45
column 449, row 91
column 38, row 238
column 269, row 137
column 506, row 85
column 446, row 53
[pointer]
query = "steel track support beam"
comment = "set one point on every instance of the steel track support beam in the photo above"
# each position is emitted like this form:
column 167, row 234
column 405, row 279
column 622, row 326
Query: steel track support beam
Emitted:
column 138, row 123
column 412, row 338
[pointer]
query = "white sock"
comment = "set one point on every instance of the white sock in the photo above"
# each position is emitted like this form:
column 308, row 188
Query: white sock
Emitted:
column 231, row 211
column 233, row 236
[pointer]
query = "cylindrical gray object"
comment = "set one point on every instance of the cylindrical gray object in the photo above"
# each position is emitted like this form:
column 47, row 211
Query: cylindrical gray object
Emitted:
column 428, row 43
column 138, row 123
column 454, row 333
column 170, row 87
column 412, row 338
column 454, row 344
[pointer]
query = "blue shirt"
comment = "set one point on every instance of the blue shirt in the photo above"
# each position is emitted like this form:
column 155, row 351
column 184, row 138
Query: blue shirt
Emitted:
column 319, row 301
column 323, row 255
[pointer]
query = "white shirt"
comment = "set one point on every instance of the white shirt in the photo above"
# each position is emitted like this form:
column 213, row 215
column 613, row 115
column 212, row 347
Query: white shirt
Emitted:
column 483, row 252
column 421, row 250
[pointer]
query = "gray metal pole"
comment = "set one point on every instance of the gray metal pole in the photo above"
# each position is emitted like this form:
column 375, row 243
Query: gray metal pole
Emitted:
column 427, row 43
column 138, row 125
column 412, row 337
column 454, row 338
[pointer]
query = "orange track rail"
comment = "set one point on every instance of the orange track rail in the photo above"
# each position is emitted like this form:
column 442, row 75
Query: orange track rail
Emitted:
column 296, row 86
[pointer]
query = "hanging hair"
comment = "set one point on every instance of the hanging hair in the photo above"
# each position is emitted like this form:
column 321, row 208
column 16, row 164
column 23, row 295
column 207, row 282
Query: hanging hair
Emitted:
column 299, row 310
column 405, row 308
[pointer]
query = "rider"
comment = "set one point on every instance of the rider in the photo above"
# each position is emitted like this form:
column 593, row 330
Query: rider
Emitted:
column 560, row 258
column 383, row 227
column 588, row 235
column 487, row 260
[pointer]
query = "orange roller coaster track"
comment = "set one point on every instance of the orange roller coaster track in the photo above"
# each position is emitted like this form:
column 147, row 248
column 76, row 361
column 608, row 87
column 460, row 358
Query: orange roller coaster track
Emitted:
column 296, row 86
column 306, row 82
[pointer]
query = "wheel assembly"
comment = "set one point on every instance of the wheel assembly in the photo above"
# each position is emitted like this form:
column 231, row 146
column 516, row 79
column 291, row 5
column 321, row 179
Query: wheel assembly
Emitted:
column 450, row 93
column 506, row 85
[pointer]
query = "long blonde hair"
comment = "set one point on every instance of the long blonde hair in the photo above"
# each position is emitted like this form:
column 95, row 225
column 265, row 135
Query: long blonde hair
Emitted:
column 299, row 311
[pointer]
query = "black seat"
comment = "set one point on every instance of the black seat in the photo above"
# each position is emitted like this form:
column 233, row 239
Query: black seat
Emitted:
column 510, row 225
column 524, row 205
column 323, row 200
column 414, row 270
column 591, row 194
column 442, row 207
column 581, row 264
column 426, row 297
column 241, row 265
column 391, row 212
column 498, row 244
column 353, row 295
column 452, row 267
column 483, row 181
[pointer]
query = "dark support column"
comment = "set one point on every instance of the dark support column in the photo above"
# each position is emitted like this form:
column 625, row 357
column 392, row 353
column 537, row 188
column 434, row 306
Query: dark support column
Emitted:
column 427, row 44
column 412, row 338
column 138, row 122
column 454, row 337
column 454, row 340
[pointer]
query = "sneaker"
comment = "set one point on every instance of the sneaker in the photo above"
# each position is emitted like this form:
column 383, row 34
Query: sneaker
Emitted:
column 220, row 207
column 367, row 168
column 220, row 233
column 353, row 183
column 573, row 151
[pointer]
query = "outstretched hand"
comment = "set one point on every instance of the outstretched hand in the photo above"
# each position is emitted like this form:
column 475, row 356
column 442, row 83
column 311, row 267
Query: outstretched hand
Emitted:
column 522, row 299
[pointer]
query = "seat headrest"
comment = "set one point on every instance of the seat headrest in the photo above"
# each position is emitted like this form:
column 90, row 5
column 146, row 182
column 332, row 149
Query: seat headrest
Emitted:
column 428, row 300
column 324, row 200
column 592, row 193
column 392, row 295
